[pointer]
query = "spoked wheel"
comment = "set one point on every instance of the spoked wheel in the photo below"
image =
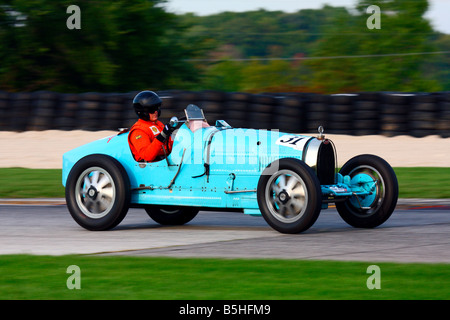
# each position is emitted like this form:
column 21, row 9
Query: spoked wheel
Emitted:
column 289, row 197
column 98, row 192
column 95, row 192
column 375, row 175
column 168, row 215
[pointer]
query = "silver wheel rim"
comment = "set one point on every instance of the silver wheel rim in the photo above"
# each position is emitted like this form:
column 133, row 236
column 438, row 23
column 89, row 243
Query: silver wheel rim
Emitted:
column 380, row 189
column 286, row 196
column 95, row 192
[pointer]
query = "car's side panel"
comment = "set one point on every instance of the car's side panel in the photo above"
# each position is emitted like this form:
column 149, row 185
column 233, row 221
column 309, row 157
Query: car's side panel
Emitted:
column 193, row 184
column 213, row 167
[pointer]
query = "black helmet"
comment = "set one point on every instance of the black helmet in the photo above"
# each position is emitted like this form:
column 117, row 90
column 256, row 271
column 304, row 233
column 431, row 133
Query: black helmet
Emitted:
column 146, row 102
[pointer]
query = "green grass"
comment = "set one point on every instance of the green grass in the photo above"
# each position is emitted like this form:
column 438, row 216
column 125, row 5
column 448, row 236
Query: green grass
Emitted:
column 30, row 183
column 44, row 277
column 423, row 182
column 46, row 183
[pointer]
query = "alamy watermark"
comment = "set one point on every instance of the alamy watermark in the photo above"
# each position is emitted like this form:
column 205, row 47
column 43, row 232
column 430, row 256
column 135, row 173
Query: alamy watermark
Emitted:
column 74, row 280
column 374, row 21
column 74, row 20
column 374, row 280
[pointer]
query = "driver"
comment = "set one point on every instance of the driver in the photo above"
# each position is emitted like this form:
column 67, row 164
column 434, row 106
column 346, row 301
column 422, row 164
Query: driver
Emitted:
column 149, row 139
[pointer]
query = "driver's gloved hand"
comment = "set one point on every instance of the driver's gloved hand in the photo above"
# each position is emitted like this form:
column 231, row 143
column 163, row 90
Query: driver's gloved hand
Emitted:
column 165, row 134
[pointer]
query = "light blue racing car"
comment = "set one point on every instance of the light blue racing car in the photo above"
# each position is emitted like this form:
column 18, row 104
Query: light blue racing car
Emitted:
column 286, row 178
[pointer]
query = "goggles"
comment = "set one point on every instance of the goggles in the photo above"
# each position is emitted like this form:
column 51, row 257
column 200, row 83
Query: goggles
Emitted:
column 152, row 109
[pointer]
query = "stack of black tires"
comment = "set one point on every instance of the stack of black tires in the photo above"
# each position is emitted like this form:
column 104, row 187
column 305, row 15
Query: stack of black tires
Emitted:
column 20, row 112
column 291, row 113
column 317, row 113
column 443, row 123
column 394, row 111
column 367, row 113
column 341, row 109
column 423, row 115
column 236, row 109
column 4, row 110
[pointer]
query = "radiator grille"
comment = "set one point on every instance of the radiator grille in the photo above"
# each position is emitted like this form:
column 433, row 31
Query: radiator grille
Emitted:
column 326, row 163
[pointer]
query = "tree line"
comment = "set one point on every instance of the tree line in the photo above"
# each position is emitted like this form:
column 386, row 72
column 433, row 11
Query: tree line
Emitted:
column 129, row 45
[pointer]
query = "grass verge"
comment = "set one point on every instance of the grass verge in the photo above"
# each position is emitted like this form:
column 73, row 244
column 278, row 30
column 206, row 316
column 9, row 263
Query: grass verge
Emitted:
column 43, row 277
column 421, row 182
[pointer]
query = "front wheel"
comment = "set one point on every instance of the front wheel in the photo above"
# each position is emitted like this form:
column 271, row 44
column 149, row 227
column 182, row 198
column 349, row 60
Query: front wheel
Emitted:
column 167, row 215
column 372, row 210
column 289, row 196
column 98, row 192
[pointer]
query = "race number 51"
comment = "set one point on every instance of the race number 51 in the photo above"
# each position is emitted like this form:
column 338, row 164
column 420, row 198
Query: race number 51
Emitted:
column 292, row 141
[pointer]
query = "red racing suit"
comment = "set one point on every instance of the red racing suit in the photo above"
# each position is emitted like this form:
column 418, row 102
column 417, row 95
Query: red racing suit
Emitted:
column 143, row 143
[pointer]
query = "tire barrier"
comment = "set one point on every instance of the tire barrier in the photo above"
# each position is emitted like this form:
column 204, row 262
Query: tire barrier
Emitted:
column 340, row 113
column 66, row 114
column 394, row 113
column 443, row 124
column 21, row 111
column 235, row 109
column 365, row 113
column 317, row 112
column 4, row 110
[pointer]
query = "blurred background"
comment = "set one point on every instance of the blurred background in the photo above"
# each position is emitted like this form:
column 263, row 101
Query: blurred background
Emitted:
column 288, row 65
column 127, row 45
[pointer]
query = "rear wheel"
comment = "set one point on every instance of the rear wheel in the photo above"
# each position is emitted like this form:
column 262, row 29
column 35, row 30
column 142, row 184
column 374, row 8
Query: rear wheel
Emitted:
column 168, row 215
column 372, row 210
column 98, row 192
column 289, row 196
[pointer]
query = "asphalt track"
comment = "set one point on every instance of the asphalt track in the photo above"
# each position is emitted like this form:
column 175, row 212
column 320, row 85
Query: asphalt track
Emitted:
column 416, row 232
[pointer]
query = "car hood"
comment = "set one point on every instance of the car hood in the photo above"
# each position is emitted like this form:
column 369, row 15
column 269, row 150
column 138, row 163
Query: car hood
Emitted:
column 263, row 146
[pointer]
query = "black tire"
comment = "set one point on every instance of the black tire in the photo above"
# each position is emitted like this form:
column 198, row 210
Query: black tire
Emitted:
column 287, row 210
column 213, row 95
column 98, row 192
column 385, row 199
column 168, row 215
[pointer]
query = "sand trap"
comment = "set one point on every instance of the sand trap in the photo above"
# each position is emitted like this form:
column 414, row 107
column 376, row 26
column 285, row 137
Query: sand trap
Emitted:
column 44, row 149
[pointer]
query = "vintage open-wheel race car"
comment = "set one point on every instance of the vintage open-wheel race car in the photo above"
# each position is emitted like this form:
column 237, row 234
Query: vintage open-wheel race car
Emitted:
column 287, row 178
